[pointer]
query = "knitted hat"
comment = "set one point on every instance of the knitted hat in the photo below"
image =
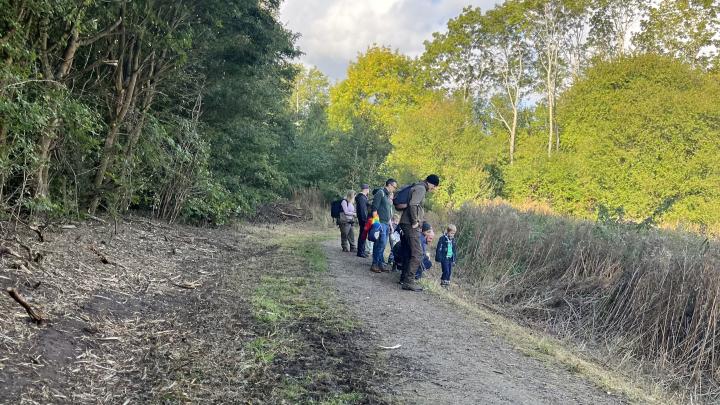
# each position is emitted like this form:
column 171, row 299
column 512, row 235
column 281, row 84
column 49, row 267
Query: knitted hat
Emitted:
column 364, row 187
column 426, row 226
column 433, row 179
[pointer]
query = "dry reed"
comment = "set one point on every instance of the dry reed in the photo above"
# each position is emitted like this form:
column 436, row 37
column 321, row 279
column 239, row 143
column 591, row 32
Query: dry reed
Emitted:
column 652, row 295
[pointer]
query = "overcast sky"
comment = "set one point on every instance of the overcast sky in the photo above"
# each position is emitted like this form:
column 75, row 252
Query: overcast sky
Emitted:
column 333, row 32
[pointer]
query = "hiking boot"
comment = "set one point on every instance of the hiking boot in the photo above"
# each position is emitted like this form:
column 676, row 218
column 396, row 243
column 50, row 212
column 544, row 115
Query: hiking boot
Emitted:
column 352, row 249
column 375, row 269
column 345, row 250
column 412, row 286
column 383, row 268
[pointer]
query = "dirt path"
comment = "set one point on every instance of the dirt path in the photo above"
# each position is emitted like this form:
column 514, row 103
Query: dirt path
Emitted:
column 455, row 358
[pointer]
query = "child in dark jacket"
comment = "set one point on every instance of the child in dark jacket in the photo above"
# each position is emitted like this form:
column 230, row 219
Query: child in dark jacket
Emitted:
column 426, row 236
column 400, row 251
column 446, row 254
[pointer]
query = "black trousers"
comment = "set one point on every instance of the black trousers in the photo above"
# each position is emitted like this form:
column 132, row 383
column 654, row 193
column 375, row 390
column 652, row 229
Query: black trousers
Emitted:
column 361, row 241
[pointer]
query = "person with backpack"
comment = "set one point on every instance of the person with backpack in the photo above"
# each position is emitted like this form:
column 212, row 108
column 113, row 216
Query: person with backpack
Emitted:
column 382, row 205
column 361, row 207
column 410, row 200
column 346, row 220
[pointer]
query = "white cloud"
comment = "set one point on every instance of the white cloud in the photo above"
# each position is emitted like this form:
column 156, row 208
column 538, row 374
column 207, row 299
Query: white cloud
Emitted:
column 335, row 31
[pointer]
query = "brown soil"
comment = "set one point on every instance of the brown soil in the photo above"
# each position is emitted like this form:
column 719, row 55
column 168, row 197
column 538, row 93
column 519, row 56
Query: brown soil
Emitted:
column 143, row 312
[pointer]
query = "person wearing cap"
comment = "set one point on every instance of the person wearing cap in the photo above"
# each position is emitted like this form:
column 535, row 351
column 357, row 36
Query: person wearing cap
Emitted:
column 383, row 206
column 361, row 207
column 410, row 224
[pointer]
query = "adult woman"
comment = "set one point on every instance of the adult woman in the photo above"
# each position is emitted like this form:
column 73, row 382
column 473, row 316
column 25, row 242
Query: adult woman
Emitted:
column 346, row 222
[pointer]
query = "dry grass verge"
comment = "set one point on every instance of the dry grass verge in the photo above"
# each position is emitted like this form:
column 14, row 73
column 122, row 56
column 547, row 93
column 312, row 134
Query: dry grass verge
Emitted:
column 557, row 352
column 648, row 298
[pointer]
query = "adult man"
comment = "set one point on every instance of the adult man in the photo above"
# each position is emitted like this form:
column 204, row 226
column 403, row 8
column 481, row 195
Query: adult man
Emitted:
column 361, row 207
column 383, row 206
column 410, row 222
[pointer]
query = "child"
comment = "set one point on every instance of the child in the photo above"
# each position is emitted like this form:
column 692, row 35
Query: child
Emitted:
column 394, row 239
column 446, row 254
column 426, row 236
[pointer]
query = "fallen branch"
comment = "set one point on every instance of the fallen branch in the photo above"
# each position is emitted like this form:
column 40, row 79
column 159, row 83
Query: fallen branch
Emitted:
column 26, row 247
column 189, row 285
column 6, row 251
column 104, row 259
column 290, row 215
column 35, row 315
column 93, row 217
column 391, row 347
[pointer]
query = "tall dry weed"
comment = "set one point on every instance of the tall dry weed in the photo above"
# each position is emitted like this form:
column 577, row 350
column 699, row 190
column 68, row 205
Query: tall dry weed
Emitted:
column 314, row 202
column 651, row 294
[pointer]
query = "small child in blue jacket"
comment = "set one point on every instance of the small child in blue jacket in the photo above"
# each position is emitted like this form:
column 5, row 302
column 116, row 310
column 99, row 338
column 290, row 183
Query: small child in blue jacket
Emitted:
column 446, row 254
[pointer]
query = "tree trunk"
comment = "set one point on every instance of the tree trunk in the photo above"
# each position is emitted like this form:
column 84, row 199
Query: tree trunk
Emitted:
column 123, row 100
column 42, row 176
column 513, row 130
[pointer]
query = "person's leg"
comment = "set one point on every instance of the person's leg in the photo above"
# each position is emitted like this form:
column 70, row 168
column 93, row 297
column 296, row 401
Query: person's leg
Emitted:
column 343, row 236
column 379, row 247
column 391, row 256
column 360, row 243
column 351, row 236
column 414, row 257
column 446, row 269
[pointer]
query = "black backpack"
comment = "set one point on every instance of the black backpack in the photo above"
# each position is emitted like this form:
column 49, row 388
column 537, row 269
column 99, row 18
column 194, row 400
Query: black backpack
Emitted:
column 402, row 197
column 336, row 208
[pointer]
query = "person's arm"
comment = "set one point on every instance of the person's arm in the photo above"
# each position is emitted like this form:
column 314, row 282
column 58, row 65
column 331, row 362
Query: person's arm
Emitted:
column 377, row 200
column 438, row 249
column 348, row 209
column 417, row 195
column 361, row 208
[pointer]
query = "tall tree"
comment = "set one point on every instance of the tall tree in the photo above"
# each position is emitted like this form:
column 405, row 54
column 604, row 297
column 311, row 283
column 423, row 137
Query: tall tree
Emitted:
column 381, row 85
column 684, row 29
column 457, row 59
column 612, row 23
column 509, row 78
column 554, row 25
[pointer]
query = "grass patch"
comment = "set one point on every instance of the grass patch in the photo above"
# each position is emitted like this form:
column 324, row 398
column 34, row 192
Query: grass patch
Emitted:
column 306, row 333
column 553, row 351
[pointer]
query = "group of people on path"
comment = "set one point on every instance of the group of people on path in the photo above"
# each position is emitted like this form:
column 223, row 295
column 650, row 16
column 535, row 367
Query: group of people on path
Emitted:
column 395, row 217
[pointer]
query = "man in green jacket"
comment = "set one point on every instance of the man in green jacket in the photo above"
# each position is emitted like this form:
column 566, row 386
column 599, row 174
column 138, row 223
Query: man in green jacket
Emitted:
column 383, row 206
column 410, row 221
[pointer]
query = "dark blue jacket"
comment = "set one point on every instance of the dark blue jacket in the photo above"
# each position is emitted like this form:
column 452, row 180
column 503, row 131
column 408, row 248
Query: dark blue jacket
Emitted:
column 442, row 249
column 361, row 207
